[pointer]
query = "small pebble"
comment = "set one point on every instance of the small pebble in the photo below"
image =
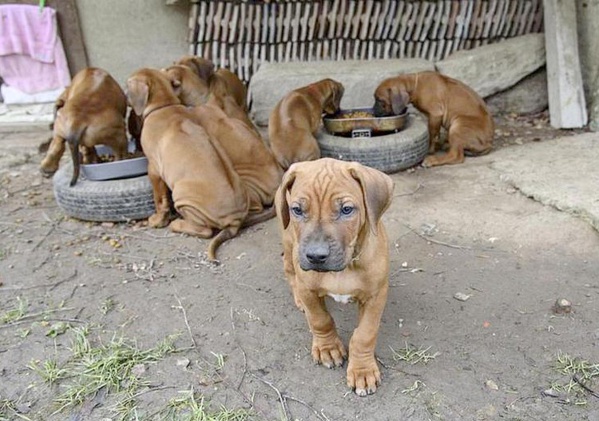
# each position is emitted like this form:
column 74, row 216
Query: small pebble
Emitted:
column 562, row 306
column 491, row 385
column 460, row 296
column 551, row 393
column 183, row 362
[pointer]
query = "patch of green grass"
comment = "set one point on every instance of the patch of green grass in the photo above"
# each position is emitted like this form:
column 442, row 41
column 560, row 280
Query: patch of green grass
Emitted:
column 220, row 361
column 8, row 411
column 3, row 255
column 116, row 367
column 581, row 378
column 6, row 406
column 412, row 355
column 191, row 406
column 16, row 313
column 107, row 305
column 415, row 386
column 47, row 370
column 23, row 333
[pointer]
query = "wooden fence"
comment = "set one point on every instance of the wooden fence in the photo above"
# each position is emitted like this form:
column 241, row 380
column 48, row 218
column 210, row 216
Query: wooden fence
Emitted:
column 239, row 35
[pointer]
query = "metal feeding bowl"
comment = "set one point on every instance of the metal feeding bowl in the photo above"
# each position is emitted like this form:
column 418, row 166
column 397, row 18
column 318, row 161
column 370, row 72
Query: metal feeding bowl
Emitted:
column 361, row 122
column 125, row 168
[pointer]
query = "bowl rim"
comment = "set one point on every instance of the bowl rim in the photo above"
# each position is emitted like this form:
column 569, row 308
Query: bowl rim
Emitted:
column 333, row 117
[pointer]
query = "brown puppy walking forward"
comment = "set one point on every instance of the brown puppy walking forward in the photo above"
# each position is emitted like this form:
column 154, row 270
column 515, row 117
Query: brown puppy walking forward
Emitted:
column 91, row 111
column 294, row 121
column 335, row 244
column 446, row 102
column 186, row 165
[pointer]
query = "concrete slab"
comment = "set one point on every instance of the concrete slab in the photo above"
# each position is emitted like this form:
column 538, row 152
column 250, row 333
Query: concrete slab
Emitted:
column 563, row 173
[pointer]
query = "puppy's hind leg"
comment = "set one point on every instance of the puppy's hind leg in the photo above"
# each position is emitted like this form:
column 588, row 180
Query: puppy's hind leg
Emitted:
column 162, row 199
column 190, row 228
column 49, row 164
column 434, row 129
column 455, row 155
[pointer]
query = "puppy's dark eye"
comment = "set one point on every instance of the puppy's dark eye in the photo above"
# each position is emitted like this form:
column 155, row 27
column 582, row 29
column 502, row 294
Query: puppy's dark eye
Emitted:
column 347, row 210
column 297, row 210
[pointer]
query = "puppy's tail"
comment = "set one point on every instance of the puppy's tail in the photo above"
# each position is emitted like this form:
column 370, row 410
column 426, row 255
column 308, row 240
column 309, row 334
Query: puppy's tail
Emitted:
column 230, row 232
column 221, row 237
column 73, row 140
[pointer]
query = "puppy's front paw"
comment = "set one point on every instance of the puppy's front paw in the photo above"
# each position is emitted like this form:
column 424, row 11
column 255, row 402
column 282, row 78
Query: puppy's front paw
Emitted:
column 158, row 220
column 363, row 377
column 329, row 351
column 429, row 161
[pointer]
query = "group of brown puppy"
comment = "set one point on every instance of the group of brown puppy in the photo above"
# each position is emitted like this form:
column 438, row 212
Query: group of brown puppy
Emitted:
column 208, row 161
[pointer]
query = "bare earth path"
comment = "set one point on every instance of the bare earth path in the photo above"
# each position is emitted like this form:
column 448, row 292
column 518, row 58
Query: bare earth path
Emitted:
column 496, row 351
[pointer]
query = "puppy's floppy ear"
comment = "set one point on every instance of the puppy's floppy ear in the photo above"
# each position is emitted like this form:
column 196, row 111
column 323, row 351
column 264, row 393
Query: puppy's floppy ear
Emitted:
column 338, row 90
column 138, row 93
column 204, row 68
column 399, row 99
column 377, row 189
column 334, row 100
column 174, row 77
column 281, row 196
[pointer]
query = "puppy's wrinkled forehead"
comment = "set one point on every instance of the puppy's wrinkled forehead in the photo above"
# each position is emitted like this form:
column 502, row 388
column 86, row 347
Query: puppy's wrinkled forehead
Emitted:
column 322, row 182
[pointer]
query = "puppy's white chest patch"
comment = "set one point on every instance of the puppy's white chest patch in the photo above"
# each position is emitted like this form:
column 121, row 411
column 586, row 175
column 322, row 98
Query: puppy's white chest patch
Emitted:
column 344, row 299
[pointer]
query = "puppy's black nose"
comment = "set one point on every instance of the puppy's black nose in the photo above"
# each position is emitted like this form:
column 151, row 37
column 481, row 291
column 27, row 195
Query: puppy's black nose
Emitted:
column 317, row 253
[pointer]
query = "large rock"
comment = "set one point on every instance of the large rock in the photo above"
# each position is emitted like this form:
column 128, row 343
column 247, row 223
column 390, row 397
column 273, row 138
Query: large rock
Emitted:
column 360, row 78
column 495, row 67
column 529, row 96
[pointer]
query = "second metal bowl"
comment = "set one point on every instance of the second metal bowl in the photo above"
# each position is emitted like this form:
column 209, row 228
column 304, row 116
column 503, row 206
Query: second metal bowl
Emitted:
column 361, row 120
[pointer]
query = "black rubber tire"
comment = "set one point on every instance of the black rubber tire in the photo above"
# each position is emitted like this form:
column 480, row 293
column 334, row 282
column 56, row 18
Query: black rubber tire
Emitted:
column 389, row 153
column 103, row 201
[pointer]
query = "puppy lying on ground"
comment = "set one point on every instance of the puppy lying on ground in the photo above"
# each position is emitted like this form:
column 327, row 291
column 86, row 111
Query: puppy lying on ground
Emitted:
column 250, row 156
column 446, row 102
column 294, row 121
column 335, row 244
column 91, row 111
column 206, row 191
column 221, row 82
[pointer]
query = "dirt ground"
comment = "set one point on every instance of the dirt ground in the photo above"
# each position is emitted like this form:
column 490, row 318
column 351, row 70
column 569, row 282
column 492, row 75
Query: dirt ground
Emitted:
column 470, row 331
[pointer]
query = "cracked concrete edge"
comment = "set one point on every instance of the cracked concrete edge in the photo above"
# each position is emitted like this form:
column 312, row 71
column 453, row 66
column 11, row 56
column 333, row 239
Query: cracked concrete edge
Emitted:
column 529, row 191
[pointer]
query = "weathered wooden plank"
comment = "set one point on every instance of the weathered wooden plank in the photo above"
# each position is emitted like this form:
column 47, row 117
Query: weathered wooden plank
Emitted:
column 567, row 107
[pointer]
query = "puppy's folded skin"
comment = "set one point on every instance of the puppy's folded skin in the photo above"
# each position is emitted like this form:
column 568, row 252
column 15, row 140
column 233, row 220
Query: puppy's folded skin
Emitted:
column 335, row 244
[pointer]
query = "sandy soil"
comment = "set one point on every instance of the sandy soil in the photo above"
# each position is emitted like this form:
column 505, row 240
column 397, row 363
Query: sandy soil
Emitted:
column 499, row 352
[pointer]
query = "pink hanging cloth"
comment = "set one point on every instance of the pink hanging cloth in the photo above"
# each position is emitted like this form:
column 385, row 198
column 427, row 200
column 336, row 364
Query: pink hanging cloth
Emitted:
column 32, row 58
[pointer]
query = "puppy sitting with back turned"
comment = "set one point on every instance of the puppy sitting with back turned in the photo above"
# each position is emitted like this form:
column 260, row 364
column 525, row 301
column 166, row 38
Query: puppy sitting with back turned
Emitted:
column 447, row 103
column 187, row 168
